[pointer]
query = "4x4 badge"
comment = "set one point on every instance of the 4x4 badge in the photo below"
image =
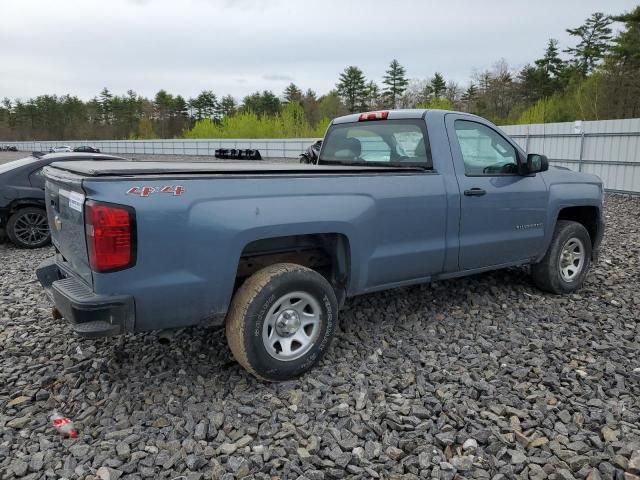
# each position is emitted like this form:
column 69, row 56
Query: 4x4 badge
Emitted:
column 146, row 191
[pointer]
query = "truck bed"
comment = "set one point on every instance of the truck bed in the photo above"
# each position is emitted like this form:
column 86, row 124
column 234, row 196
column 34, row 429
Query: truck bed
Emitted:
column 115, row 168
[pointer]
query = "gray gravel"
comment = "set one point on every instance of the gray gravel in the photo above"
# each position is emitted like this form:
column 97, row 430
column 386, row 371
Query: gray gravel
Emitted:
column 483, row 377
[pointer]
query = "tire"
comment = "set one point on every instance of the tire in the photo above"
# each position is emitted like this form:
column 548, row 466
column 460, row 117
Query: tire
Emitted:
column 19, row 224
column 560, row 272
column 274, row 308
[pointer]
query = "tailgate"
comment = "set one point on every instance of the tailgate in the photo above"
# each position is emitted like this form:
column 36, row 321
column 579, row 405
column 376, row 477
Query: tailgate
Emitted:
column 65, row 211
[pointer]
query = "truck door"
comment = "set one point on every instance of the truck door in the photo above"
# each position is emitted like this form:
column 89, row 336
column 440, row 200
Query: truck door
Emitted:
column 502, row 212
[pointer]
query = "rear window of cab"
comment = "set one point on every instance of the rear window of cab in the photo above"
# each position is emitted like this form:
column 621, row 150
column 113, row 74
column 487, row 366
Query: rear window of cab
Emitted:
column 381, row 142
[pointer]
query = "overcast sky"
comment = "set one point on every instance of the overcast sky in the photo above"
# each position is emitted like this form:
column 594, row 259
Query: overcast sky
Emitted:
column 240, row 46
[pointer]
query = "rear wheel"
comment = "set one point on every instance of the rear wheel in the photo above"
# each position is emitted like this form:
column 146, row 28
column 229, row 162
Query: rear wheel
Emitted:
column 281, row 321
column 28, row 228
column 566, row 263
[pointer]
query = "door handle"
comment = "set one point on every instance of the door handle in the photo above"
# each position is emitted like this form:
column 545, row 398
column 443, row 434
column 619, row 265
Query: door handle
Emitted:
column 475, row 192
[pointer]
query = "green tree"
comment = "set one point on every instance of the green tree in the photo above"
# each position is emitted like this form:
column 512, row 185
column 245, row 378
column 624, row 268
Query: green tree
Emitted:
column 626, row 47
column 105, row 104
column 265, row 103
column 469, row 97
column 228, row 106
column 292, row 93
column 437, row 86
column 205, row 105
column 163, row 110
column 311, row 107
column 145, row 129
column 532, row 84
column 622, row 69
column 352, row 88
column 594, row 42
column 330, row 105
column 551, row 64
column 395, row 82
column 373, row 97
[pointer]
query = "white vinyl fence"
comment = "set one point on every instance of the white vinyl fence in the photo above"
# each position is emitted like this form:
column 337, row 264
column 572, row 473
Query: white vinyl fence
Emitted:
column 269, row 148
column 608, row 148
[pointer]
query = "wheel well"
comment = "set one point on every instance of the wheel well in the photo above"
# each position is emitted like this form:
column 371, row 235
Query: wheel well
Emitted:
column 25, row 203
column 587, row 216
column 327, row 253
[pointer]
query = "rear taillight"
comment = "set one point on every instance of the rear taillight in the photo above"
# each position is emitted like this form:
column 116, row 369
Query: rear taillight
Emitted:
column 110, row 236
column 368, row 116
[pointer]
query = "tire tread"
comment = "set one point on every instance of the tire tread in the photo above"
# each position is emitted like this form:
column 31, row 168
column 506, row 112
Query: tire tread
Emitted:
column 544, row 273
column 240, row 304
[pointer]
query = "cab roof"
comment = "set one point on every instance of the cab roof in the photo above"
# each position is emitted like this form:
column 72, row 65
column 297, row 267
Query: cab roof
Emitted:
column 398, row 114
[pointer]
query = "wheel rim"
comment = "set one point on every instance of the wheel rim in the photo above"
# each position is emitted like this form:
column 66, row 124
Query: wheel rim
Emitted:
column 31, row 228
column 572, row 259
column 292, row 326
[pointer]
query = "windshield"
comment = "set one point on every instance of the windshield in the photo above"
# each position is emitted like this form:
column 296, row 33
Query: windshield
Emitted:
column 5, row 167
column 383, row 142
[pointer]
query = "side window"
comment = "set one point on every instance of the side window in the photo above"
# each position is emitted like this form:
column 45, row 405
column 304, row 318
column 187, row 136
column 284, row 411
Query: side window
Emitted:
column 484, row 151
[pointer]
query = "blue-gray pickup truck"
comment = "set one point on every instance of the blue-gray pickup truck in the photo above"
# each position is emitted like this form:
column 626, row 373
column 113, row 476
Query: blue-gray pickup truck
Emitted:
column 271, row 250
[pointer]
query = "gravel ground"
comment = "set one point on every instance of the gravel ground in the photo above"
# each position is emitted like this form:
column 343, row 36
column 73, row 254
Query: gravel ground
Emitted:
column 483, row 377
column 9, row 156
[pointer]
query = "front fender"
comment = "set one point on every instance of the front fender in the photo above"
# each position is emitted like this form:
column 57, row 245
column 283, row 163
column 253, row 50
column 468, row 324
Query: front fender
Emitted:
column 565, row 195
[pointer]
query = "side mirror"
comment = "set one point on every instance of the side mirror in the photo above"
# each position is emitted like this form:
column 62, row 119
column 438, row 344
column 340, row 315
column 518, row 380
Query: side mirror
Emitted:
column 537, row 163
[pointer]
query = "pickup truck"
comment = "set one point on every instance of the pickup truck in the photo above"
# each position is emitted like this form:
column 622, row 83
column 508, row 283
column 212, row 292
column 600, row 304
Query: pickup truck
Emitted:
column 271, row 250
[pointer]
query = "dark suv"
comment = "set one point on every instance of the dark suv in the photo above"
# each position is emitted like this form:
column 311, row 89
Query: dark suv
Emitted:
column 22, row 211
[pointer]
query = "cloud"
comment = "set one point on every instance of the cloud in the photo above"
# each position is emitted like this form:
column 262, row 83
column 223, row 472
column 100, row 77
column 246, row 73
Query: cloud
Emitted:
column 241, row 46
column 277, row 77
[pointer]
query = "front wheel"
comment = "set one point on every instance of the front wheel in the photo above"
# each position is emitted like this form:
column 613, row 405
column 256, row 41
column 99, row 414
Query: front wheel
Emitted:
column 281, row 321
column 28, row 228
column 566, row 263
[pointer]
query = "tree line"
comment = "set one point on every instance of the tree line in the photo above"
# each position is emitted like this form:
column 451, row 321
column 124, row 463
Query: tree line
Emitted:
column 596, row 78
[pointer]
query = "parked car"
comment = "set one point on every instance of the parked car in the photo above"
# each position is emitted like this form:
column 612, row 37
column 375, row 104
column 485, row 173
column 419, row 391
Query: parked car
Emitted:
column 86, row 149
column 61, row 149
column 310, row 155
column 8, row 148
column 271, row 250
column 22, row 211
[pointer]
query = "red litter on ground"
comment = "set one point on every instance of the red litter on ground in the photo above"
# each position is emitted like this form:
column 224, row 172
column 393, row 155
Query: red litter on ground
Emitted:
column 64, row 425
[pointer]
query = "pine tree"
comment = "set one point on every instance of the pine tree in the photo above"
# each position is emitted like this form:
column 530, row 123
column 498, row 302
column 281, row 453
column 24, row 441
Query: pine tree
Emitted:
column 265, row 103
column 437, row 85
column 469, row 96
column 623, row 69
column 395, row 81
column 310, row 107
column 352, row 88
column 373, row 95
column 292, row 93
column 595, row 39
column 551, row 63
column 105, row 105
column 626, row 46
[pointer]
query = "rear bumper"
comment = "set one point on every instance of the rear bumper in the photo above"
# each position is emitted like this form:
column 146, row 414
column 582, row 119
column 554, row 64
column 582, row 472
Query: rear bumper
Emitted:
column 89, row 314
